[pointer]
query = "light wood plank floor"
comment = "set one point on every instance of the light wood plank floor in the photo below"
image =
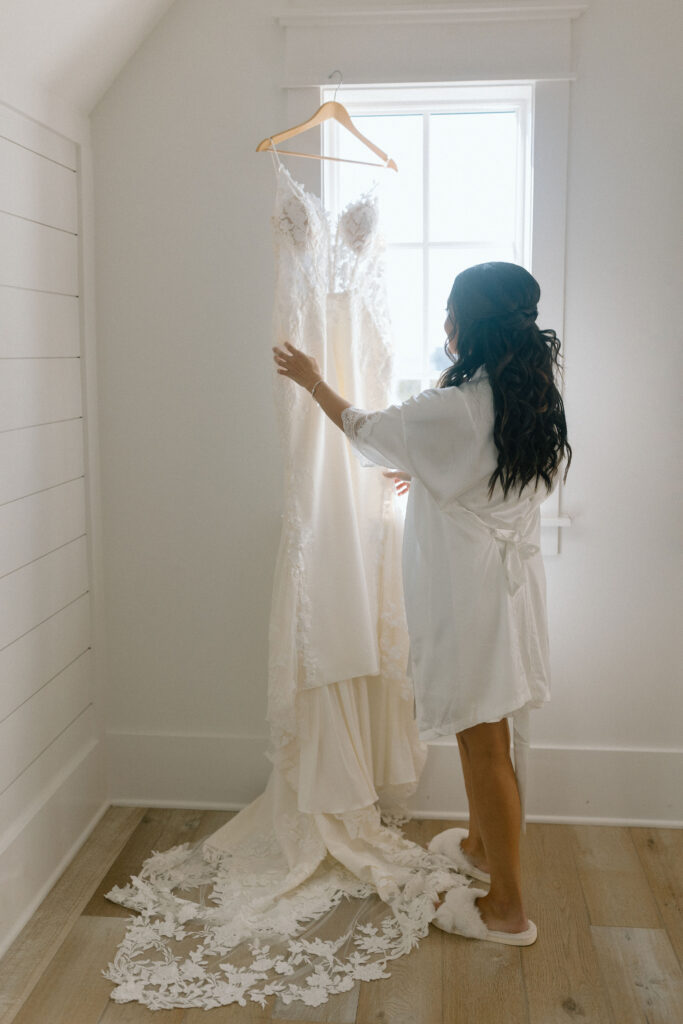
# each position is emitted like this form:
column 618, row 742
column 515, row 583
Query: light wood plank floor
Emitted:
column 606, row 901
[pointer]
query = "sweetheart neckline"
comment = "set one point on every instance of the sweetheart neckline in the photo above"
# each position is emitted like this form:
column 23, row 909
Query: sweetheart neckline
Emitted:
column 317, row 202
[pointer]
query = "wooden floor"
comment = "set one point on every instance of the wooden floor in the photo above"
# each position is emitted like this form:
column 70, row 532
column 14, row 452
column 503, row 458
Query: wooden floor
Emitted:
column 606, row 901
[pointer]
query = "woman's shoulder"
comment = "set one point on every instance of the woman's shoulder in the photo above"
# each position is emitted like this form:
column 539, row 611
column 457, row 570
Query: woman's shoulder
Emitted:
column 436, row 405
column 448, row 397
column 480, row 376
column 430, row 397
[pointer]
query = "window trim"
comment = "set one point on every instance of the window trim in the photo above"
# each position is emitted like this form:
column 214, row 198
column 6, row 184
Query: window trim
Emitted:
column 426, row 100
column 545, row 203
column 501, row 42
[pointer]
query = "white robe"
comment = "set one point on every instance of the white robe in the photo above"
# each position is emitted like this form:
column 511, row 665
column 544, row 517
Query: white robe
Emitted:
column 473, row 575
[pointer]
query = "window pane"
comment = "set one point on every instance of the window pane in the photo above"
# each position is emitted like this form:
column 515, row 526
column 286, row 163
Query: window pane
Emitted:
column 400, row 194
column 472, row 177
column 404, row 291
column 444, row 265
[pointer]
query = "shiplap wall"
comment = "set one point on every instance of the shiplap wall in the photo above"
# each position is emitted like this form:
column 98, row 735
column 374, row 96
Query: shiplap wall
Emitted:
column 52, row 781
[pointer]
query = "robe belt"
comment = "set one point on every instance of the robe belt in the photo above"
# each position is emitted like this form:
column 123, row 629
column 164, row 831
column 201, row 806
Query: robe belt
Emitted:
column 515, row 547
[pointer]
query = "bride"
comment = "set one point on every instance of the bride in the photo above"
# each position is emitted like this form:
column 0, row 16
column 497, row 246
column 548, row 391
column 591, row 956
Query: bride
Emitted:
column 496, row 417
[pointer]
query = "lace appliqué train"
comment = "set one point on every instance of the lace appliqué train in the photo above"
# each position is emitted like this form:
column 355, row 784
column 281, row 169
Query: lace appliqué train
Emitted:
column 235, row 943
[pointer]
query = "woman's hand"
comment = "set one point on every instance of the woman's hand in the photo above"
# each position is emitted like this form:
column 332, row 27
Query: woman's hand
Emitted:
column 402, row 480
column 296, row 365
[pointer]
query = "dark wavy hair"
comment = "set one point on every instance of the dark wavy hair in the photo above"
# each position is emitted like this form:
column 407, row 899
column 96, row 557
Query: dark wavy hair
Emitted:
column 493, row 306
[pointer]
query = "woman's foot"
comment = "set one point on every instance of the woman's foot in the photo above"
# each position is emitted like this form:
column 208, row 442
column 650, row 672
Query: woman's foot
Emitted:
column 496, row 917
column 499, row 918
column 475, row 854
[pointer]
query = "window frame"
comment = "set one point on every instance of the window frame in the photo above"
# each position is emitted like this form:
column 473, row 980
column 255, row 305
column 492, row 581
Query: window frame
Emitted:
column 425, row 100
column 550, row 143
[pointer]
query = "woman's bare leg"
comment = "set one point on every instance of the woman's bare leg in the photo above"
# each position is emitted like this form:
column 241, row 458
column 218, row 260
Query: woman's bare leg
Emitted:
column 472, row 844
column 496, row 797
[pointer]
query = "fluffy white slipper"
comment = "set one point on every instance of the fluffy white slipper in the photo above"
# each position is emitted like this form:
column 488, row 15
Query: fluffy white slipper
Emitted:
column 448, row 843
column 460, row 915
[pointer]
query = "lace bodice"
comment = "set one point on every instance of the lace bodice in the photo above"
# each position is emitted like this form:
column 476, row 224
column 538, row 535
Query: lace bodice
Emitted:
column 333, row 250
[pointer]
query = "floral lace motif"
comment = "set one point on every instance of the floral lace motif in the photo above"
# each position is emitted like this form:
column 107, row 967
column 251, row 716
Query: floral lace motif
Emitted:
column 358, row 224
column 235, row 944
column 345, row 255
column 293, row 219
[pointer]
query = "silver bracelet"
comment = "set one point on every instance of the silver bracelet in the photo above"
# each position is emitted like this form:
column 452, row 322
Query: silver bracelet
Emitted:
column 321, row 381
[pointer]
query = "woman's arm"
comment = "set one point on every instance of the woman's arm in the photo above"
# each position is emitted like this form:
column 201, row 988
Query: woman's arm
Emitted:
column 304, row 370
column 331, row 403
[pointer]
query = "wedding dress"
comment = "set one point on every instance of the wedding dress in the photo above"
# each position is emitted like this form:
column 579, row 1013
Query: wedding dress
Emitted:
column 312, row 886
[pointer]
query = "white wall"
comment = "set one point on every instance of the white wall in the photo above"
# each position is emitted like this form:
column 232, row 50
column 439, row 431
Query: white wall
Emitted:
column 72, row 50
column 52, row 762
column 192, row 478
column 190, row 456
column 614, row 599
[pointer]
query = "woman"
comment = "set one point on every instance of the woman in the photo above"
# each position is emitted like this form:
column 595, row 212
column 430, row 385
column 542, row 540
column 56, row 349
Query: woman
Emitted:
column 472, row 452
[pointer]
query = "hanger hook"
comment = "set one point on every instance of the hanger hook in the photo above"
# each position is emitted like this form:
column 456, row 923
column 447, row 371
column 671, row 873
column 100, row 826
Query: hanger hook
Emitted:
column 341, row 79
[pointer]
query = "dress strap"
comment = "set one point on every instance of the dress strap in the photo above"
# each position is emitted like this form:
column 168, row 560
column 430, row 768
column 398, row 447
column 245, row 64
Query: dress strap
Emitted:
column 272, row 151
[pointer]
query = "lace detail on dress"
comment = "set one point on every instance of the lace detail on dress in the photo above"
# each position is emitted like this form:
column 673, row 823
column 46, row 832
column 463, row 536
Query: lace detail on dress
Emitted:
column 358, row 224
column 293, row 220
column 357, row 244
column 236, row 945
column 345, row 253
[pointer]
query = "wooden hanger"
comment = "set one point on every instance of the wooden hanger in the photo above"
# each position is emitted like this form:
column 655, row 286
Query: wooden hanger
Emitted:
column 329, row 110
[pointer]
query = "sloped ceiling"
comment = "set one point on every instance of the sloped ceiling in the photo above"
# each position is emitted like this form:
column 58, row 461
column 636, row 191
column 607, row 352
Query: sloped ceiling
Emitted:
column 74, row 48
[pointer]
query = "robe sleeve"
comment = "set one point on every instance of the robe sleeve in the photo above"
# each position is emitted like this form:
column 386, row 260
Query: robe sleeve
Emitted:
column 378, row 437
column 432, row 436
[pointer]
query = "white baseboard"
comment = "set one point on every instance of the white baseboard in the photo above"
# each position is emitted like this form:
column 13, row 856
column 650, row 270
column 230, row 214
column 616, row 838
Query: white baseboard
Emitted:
column 176, row 770
column 35, row 858
column 565, row 784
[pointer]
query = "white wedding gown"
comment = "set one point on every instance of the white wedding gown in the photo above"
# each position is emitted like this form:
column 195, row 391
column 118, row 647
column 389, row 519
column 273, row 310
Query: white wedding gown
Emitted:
column 311, row 886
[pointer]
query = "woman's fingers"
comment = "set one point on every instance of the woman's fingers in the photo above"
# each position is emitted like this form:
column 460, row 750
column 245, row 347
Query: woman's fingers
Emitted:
column 396, row 474
column 401, row 480
column 283, row 359
column 296, row 364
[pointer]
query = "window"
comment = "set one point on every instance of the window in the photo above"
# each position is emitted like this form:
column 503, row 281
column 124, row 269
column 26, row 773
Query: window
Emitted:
column 462, row 195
